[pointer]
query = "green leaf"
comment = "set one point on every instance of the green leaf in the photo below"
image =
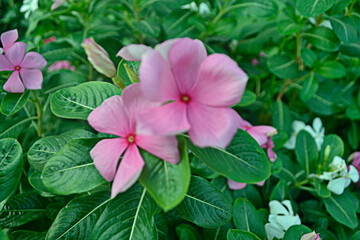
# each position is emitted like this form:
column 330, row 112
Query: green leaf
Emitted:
column 35, row 180
column 242, row 161
column 43, row 149
column 312, row 8
column 281, row 117
column 280, row 191
column 306, row 151
column 296, row 232
column 332, row 69
column 246, row 218
column 353, row 135
column 128, row 216
column 185, row 231
column 55, row 51
column 344, row 29
column 308, row 56
column 12, row 128
column 26, row 235
column 250, row 193
column 77, row 102
column 21, row 209
column 283, row 66
column 234, row 234
column 288, row 27
column 264, row 8
column 13, row 102
column 336, row 146
column 78, row 218
column 205, row 205
column 341, row 209
column 11, row 165
column 356, row 236
column 352, row 49
column 353, row 112
column 322, row 38
column 167, row 183
column 321, row 189
column 247, row 99
column 310, row 86
column 3, row 235
column 71, row 170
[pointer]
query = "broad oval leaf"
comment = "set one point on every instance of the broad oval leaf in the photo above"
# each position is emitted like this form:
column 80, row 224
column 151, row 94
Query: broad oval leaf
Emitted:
column 310, row 86
column 129, row 216
column 341, row 209
column 336, row 146
column 332, row 69
column 167, row 183
column 246, row 218
column 205, row 205
column 11, row 165
column 288, row 27
column 78, row 218
column 306, row 152
column 312, row 8
column 296, row 232
column 242, row 161
column 322, row 38
column 21, row 209
column 43, row 149
column 280, row 191
column 283, row 66
column 77, row 102
column 72, row 170
column 281, row 117
column 12, row 128
column 13, row 102
column 26, row 235
column 344, row 29
column 234, row 234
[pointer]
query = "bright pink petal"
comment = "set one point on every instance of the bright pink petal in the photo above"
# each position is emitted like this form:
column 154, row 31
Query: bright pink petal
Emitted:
column 135, row 102
column 32, row 78
column 106, row 155
column 185, row 57
column 164, row 147
column 129, row 170
column 16, row 53
column 235, row 185
column 133, row 52
column 244, row 125
column 266, row 130
column 111, row 117
column 271, row 155
column 5, row 65
column 14, row 84
column 164, row 120
column 8, row 39
column 210, row 126
column 33, row 60
column 164, row 47
column 156, row 79
column 259, row 137
column 220, row 82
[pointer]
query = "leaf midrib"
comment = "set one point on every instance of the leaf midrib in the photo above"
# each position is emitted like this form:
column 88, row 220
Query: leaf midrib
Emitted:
column 206, row 203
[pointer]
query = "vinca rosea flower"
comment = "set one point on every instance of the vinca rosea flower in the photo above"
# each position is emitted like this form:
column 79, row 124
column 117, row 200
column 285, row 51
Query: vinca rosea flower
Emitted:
column 8, row 39
column 61, row 65
column 117, row 116
column 196, row 90
column 27, row 66
column 311, row 236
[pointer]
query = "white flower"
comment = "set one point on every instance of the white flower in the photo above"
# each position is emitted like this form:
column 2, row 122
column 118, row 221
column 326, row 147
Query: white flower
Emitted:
column 29, row 6
column 281, row 218
column 338, row 185
column 191, row 6
column 317, row 131
column 297, row 126
column 203, row 9
column 337, row 167
column 325, row 23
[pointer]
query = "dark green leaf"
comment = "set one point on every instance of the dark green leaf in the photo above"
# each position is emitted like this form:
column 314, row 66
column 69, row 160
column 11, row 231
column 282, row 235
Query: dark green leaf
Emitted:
column 288, row 27
column 263, row 8
column 310, row 87
column 234, row 234
column 26, row 235
column 306, row 152
column 12, row 128
column 296, row 232
column 342, row 210
column 283, row 66
column 13, row 102
column 323, row 39
column 344, row 29
column 336, row 148
column 321, row 189
column 332, row 69
column 308, row 56
column 281, row 117
column 280, row 191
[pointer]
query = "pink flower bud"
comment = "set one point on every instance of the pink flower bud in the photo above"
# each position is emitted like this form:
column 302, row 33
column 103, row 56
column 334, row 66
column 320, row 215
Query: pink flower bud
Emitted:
column 311, row 236
column 254, row 62
column 99, row 58
column 49, row 40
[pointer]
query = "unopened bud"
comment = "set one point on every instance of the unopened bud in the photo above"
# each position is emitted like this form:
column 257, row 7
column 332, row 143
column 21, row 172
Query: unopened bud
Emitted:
column 311, row 236
column 99, row 58
column 132, row 75
column 327, row 152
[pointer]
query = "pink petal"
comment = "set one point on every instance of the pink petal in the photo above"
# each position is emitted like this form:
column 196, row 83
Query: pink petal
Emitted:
column 210, row 126
column 133, row 52
column 220, row 82
column 235, row 185
column 261, row 183
column 106, row 155
column 266, row 130
column 32, row 78
column 185, row 57
column 259, row 137
column 129, row 170
column 33, row 60
column 14, row 84
column 156, row 79
column 8, row 39
column 135, row 102
column 164, row 120
column 271, row 155
column 110, row 117
column 163, row 48
column 5, row 65
column 244, row 125
column 164, row 147
column 16, row 53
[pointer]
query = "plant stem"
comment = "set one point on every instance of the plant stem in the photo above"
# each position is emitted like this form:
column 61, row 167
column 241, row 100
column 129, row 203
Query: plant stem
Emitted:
column 298, row 51
column 286, row 83
column 39, row 112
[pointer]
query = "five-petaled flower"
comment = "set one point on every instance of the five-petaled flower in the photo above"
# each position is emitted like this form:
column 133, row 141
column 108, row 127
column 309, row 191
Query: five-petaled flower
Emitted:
column 196, row 91
column 117, row 116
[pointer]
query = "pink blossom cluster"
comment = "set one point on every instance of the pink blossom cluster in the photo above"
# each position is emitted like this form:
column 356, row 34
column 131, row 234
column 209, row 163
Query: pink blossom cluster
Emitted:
column 24, row 67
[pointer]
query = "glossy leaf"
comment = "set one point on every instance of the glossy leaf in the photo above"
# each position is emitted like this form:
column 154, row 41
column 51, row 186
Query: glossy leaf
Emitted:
column 310, row 87
column 344, row 29
column 280, row 191
column 312, row 8
column 306, row 152
column 296, row 232
column 12, row 128
column 336, row 146
column 26, row 235
column 234, row 234
column 281, row 117
column 13, row 102
column 322, row 38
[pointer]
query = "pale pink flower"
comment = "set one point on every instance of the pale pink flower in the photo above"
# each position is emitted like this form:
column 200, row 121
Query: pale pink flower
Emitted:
column 200, row 87
column 355, row 158
column 56, row 4
column 8, row 39
column 61, row 65
column 311, row 236
column 27, row 66
column 117, row 116
column 49, row 40
column 254, row 62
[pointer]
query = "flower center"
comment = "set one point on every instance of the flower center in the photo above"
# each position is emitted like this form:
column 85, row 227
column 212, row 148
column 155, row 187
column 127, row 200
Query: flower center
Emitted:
column 185, row 98
column 17, row 68
column 131, row 139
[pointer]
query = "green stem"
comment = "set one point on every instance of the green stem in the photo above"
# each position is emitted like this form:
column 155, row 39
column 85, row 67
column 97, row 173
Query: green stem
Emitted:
column 298, row 51
column 39, row 112
column 29, row 115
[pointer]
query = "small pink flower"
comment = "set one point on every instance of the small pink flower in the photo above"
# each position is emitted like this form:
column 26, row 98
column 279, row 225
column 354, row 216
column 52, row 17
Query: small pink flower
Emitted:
column 56, row 4
column 200, row 87
column 254, row 62
column 49, row 40
column 262, row 54
column 27, row 66
column 61, row 65
column 269, row 145
column 117, row 116
column 8, row 39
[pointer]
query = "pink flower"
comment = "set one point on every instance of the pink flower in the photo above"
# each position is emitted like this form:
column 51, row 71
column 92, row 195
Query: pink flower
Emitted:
column 311, row 236
column 254, row 62
column 49, row 40
column 117, row 116
column 61, row 65
column 26, row 65
column 200, row 87
column 237, row 186
column 56, row 4
column 8, row 39
column 355, row 158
